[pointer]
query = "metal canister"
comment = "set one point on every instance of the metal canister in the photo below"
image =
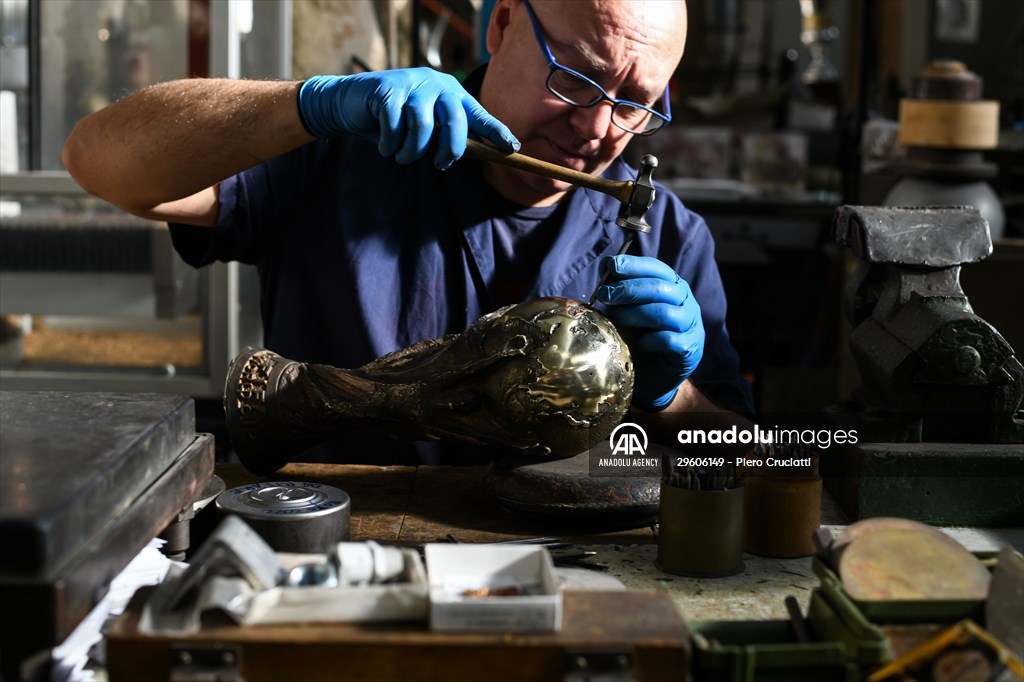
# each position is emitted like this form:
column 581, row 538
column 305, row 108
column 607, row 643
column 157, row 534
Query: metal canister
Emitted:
column 700, row 532
column 291, row 516
column 781, row 515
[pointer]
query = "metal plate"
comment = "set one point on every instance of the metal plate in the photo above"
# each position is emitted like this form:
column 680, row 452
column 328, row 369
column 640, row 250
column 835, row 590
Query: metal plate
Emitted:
column 901, row 563
column 72, row 462
column 50, row 607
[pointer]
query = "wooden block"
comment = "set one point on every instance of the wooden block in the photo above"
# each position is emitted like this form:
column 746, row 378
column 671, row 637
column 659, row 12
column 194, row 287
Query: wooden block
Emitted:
column 949, row 125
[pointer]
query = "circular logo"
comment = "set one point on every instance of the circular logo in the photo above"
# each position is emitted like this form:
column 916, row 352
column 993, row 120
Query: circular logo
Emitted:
column 628, row 439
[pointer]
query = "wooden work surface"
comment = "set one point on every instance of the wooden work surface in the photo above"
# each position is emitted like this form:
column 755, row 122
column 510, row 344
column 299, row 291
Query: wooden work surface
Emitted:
column 416, row 505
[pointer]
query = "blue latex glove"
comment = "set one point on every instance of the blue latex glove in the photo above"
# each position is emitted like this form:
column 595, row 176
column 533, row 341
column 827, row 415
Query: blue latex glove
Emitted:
column 400, row 111
column 656, row 313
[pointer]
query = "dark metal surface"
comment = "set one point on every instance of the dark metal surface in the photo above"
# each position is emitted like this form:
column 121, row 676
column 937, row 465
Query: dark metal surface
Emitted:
column 955, row 166
column 72, row 463
column 1005, row 602
column 49, row 607
column 548, row 377
column 85, row 241
column 700, row 532
column 947, row 484
column 781, row 515
column 931, row 236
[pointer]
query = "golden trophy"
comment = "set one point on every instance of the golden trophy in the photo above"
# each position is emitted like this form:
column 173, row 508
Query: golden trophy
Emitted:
column 547, row 378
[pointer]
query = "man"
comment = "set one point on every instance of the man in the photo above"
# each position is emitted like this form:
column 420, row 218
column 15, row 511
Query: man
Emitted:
column 360, row 255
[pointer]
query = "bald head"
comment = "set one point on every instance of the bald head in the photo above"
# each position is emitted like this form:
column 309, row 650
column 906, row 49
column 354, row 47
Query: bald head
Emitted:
column 650, row 30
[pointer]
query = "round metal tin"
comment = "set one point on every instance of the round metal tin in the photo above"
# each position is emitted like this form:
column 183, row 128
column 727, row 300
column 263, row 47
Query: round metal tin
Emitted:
column 291, row 516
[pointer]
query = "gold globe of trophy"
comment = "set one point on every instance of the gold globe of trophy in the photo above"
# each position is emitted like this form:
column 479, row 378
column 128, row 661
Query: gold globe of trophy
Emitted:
column 543, row 382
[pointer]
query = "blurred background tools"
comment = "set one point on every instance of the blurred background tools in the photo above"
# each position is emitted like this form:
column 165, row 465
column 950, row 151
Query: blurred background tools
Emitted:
column 945, row 125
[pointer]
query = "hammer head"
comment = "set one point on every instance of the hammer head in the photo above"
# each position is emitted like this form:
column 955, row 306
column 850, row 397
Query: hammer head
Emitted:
column 631, row 215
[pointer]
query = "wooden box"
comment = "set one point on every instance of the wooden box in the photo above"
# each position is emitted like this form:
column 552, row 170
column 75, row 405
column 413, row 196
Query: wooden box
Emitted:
column 633, row 634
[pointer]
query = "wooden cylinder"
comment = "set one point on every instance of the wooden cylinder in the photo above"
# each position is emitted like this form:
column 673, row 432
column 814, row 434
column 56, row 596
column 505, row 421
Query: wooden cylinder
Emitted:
column 781, row 515
column 949, row 124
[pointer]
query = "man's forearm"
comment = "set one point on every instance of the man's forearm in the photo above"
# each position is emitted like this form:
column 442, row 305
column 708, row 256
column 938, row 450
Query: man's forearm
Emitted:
column 173, row 140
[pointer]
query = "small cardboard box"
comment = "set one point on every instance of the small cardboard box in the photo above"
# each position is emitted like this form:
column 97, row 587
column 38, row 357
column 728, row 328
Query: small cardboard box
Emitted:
column 455, row 572
column 403, row 600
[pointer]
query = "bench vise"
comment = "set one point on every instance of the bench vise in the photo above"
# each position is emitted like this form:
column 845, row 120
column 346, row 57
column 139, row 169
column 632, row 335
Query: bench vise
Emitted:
column 931, row 369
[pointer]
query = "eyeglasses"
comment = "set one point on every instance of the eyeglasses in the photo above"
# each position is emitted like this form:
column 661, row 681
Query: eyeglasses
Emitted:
column 576, row 89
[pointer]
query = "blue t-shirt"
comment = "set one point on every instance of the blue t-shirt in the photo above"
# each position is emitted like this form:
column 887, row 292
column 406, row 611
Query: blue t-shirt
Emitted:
column 359, row 256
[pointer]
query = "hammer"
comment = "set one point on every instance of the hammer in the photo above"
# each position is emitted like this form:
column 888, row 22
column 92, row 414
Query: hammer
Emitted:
column 636, row 196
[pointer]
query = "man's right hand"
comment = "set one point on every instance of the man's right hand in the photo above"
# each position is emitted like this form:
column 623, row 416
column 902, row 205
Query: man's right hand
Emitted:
column 399, row 111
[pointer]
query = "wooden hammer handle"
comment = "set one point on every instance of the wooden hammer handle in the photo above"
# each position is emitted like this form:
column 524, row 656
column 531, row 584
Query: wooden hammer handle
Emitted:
column 620, row 190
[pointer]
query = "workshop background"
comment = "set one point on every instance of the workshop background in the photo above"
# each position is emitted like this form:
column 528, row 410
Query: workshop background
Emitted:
column 784, row 110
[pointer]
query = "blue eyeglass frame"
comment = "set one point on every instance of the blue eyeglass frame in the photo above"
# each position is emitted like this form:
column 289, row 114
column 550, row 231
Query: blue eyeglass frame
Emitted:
column 555, row 66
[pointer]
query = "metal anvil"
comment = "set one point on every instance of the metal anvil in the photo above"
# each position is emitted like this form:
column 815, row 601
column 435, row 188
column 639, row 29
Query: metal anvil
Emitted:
column 549, row 377
column 932, row 370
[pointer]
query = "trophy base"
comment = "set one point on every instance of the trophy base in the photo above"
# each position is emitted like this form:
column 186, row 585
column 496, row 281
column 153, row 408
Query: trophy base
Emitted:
column 575, row 491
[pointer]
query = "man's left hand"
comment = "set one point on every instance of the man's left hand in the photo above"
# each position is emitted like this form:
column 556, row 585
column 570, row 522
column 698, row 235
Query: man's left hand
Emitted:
column 654, row 310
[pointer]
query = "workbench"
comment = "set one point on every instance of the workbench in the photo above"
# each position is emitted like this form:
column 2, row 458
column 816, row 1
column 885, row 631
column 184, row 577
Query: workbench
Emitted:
column 411, row 506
